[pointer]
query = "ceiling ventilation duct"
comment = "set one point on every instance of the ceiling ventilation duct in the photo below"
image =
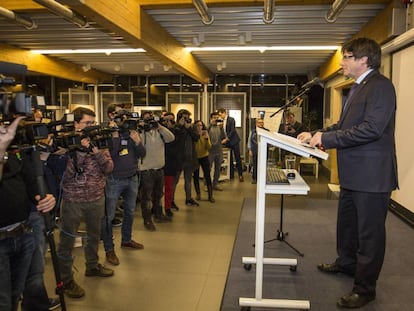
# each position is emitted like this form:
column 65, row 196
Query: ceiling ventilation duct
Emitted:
column 269, row 11
column 335, row 10
column 202, row 10
column 64, row 12
column 17, row 18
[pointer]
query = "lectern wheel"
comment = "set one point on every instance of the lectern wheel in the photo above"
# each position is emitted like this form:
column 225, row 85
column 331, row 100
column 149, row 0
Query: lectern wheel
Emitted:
column 247, row 266
column 293, row 268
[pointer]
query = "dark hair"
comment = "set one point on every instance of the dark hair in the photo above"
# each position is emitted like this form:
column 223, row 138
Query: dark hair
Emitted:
column 361, row 47
column 112, row 107
column 80, row 111
column 214, row 113
column 169, row 113
column 200, row 121
column 182, row 112
column 290, row 113
column 221, row 110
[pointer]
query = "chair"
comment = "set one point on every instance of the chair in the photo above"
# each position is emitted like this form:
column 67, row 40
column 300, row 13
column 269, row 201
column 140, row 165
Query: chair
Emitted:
column 333, row 189
column 310, row 161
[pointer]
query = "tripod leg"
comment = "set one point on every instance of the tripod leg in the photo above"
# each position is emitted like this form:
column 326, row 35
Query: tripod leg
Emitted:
column 51, row 242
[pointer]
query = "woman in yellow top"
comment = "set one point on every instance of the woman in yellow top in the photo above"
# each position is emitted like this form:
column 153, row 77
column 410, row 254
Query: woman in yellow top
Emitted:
column 202, row 147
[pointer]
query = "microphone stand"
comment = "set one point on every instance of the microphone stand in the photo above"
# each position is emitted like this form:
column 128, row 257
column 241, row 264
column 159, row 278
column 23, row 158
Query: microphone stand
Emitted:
column 38, row 168
column 281, row 236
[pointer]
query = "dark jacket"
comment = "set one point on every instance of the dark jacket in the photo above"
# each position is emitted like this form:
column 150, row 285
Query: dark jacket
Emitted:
column 364, row 137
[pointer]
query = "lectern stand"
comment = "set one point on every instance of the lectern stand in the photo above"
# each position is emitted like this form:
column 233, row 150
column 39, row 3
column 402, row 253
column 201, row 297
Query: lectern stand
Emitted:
column 296, row 186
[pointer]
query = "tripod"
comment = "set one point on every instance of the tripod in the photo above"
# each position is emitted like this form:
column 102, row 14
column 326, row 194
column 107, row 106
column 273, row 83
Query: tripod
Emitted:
column 38, row 168
column 280, row 234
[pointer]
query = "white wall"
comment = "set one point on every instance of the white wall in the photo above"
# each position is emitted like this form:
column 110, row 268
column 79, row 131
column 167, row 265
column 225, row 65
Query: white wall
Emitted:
column 403, row 79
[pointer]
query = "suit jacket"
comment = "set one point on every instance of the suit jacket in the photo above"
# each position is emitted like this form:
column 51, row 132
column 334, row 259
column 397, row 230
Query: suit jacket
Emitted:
column 231, row 132
column 364, row 137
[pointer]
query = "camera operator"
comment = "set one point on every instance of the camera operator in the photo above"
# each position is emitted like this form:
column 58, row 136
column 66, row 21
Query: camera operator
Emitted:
column 186, row 137
column 18, row 186
column 154, row 137
column 125, row 148
column 83, row 197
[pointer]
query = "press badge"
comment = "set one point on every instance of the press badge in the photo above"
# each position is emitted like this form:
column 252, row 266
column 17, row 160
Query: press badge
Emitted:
column 124, row 150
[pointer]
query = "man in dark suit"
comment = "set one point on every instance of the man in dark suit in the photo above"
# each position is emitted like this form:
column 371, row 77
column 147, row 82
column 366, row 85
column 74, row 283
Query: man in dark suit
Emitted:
column 367, row 167
column 232, row 141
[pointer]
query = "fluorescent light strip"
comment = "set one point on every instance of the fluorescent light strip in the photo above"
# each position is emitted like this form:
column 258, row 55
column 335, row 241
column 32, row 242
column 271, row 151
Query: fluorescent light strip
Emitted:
column 263, row 48
column 89, row 51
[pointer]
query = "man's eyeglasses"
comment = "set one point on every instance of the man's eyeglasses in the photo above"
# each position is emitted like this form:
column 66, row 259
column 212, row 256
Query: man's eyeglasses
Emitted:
column 348, row 56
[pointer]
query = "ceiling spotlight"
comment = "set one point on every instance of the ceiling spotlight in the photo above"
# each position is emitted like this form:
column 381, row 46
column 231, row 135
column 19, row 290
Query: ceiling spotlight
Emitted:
column 223, row 65
column 167, row 67
column 146, row 68
column 117, row 68
column 86, row 67
column 219, row 67
column 335, row 10
column 248, row 36
column 241, row 40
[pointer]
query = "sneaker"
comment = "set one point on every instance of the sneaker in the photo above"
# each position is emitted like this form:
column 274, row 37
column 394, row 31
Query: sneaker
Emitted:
column 217, row 188
column 169, row 213
column 205, row 188
column 116, row 222
column 100, row 270
column 54, row 303
column 174, row 206
column 149, row 225
column 132, row 244
column 191, row 202
column 198, row 197
column 73, row 290
column 162, row 218
column 112, row 258
column 241, row 178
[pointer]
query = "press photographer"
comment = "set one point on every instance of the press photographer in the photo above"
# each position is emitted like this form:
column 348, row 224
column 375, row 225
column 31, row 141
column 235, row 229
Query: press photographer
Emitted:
column 83, row 197
column 18, row 187
column 125, row 148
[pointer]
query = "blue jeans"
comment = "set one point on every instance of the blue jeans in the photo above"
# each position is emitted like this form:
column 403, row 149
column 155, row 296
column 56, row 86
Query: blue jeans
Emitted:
column 128, row 189
column 35, row 297
column 216, row 159
column 15, row 258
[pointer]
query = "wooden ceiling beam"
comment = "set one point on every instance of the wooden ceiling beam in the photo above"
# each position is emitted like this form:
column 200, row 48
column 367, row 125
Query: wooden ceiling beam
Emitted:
column 50, row 66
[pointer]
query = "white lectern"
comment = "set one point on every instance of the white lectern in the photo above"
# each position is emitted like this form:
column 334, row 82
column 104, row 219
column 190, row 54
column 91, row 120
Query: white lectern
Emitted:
column 296, row 186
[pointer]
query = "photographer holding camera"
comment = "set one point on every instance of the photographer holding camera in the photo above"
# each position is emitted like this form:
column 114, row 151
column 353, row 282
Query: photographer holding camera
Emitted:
column 83, row 197
column 18, row 186
column 186, row 137
column 125, row 148
column 154, row 137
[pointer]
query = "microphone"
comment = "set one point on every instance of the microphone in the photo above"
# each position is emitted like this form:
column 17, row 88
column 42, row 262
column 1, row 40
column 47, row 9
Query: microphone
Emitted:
column 311, row 83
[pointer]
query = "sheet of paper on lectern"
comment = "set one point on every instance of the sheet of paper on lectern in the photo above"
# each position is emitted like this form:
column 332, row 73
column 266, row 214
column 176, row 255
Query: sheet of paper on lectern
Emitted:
column 291, row 144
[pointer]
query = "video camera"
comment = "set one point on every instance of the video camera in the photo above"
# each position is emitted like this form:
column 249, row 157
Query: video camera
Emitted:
column 150, row 123
column 126, row 120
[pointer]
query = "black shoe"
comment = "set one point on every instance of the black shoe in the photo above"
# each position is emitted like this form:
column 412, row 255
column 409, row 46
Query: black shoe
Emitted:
column 174, row 206
column 162, row 219
column 169, row 213
column 334, row 268
column 99, row 270
column 54, row 303
column 191, row 202
column 149, row 225
column 354, row 300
